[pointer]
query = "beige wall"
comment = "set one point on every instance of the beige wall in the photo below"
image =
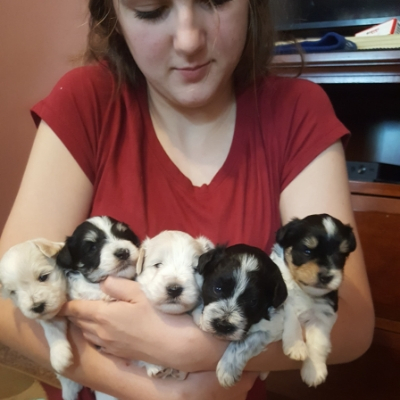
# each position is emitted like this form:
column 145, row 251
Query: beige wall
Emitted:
column 38, row 41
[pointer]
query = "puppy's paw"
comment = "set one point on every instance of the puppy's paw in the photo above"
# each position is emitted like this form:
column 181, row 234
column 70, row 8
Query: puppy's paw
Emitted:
column 61, row 356
column 69, row 389
column 177, row 375
column 313, row 374
column 298, row 351
column 155, row 371
column 263, row 375
column 228, row 375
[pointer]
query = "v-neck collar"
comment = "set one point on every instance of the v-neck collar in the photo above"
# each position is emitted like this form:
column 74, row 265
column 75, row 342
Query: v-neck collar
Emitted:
column 244, row 112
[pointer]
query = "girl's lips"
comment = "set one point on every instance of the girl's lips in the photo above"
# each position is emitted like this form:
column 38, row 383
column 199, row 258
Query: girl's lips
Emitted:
column 194, row 74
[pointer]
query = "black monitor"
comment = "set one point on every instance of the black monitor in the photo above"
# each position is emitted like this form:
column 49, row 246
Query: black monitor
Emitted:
column 292, row 15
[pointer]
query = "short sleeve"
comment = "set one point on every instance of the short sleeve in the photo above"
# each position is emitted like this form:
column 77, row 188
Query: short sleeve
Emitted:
column 305, row 124
column 74, row 111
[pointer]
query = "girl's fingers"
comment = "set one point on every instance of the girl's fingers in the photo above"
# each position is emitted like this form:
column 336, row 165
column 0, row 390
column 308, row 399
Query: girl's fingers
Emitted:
column 84, row 309
column 122, row 289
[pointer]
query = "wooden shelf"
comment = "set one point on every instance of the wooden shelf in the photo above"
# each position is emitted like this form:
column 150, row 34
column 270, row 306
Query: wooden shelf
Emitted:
column 378, row 66
column 375, row 189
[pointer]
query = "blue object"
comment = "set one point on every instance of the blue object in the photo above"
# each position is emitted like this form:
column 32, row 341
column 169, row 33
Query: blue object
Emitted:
column 329, row 42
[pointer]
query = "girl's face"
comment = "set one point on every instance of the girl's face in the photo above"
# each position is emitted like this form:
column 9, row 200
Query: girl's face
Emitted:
column 186, row 49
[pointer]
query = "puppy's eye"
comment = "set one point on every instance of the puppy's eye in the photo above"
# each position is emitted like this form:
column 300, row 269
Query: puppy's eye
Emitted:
column 43, row 277
column 307, row 251
column 92, row 247
column 217, row 289
column 157, row 265
column 253, row 302
column 12, row 292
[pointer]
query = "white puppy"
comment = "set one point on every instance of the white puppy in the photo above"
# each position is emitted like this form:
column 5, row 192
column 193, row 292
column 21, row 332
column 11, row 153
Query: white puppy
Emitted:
column 167, row 274
column 30, row 278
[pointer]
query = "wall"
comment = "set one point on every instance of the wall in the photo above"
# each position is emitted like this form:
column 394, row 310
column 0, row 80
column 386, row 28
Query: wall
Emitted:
column 40, row 41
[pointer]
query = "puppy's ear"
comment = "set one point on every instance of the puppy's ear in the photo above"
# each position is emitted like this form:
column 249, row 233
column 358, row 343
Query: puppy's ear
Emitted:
column 64, row 257
column 211, row 257
column 47, row 247
column 280, row 292
column 285, row 235
column 205, row 243
column 140, row 260
column 351, row 239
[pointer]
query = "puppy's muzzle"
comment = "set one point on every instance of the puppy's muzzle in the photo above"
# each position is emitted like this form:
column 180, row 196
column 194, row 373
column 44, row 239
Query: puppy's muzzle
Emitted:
column 174, row 291
column 39, row 308
column 223, row 327
column 324, row 279
column 122, row 254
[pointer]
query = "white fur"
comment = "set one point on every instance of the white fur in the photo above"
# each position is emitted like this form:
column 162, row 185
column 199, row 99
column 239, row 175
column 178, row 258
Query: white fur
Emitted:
column 313, row 314
column 20, row 268
column 238, row 353
column 168, row 260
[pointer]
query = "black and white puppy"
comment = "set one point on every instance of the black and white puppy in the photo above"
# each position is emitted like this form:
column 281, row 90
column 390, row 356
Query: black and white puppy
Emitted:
column 311, row 254
column 99, row 247
column 242, row 292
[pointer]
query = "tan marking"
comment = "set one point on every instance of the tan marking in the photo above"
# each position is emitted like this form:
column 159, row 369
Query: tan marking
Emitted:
column 344, row 246
column 306, row 273
column 311, row 242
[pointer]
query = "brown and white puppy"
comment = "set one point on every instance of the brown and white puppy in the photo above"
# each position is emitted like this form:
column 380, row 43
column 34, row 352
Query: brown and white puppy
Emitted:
column 311, row 254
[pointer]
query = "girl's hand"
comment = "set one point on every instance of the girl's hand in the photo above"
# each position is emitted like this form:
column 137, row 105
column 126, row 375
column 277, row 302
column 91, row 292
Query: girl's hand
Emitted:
column 126, row 381
column 204, row 385
column 131, row 328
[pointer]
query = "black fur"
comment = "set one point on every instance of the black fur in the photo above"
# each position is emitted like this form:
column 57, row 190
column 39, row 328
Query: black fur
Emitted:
column 83, row 255
column 265, row 287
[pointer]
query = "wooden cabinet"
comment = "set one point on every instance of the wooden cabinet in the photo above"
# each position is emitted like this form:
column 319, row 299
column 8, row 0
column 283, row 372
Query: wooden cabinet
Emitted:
column 376, row 76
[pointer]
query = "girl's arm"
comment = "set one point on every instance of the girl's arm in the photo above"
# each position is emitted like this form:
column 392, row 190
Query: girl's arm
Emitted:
column 322, row 187
column 54, row 197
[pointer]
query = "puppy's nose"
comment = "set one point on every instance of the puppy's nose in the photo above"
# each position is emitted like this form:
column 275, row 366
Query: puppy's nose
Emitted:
column 122, row 254
column 174, row 291
column 39, row 308
column 223, row 327
column 324, row 279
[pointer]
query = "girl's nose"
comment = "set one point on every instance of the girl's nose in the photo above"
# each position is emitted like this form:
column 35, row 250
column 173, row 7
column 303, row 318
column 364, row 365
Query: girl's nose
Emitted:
column 189, row 36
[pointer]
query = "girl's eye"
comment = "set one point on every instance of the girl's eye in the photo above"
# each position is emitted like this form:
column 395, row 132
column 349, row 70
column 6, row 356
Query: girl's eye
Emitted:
column 43, row 277
column 157, row 265
column 151, row 15
column 215, row 3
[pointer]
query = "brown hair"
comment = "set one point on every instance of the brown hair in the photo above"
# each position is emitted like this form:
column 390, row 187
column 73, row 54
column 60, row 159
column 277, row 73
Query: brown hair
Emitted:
column 106, row 43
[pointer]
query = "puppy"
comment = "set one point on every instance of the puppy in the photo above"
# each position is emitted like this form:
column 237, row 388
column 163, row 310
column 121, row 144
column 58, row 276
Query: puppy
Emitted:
column 242, row 291
column 31, row 279
column 311, row 254
column 99, row 247
column 167, row 274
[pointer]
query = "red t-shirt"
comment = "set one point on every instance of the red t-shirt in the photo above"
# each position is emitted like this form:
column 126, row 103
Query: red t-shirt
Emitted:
column 280, row 128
